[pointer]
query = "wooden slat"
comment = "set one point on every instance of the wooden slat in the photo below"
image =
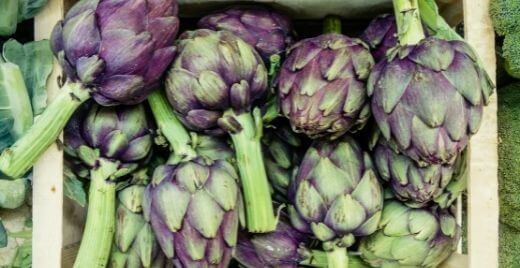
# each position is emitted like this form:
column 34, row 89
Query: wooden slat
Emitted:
column 483, row 183
column 48, row 171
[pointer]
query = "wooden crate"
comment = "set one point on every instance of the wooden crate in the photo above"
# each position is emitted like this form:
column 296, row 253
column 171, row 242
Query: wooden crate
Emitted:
column 57, row 223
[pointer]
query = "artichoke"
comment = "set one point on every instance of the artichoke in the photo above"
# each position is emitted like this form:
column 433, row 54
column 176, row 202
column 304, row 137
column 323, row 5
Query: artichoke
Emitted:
column 134, row 241
column 212, row 86
column 114, row 51
column 428, row 94
column 411, row 237
column 416, row 185
column 268, row 31
column 283, row 150
column 282, row 248
column 322, row 87
column 112, row 142
column 336, row 195
column 380, row 35
column 193, row 209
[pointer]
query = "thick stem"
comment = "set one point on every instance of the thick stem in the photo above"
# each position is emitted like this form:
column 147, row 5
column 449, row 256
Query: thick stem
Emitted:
column 170, row 126
column 434, row 21
column 19, row 158
column 408, row 19
column 332, row 24
column 250, row 161
column 9, row 17
column 337, row 257
column 100, row 226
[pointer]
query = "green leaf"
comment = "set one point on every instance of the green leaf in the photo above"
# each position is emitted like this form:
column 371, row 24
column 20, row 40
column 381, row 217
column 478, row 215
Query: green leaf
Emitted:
column 3, row 236
column 73, row 188
column 8, row 17
column 23, row 257
column 29, row 8
column 35, row 60
column 15, row 109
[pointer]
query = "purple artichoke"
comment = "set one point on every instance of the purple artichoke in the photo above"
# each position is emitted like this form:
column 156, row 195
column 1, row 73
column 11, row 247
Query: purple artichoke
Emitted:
column 322, row 87
column 336, row 195
column 416, row 185
column 113, row 50
column 411, row 237
column 193, row 209
column 428, row 98
column 268, row 31
column 112, row 142
column 212, row 86
column 213, row 73
column 120, row 48
column 381, row 35
column 281, row 248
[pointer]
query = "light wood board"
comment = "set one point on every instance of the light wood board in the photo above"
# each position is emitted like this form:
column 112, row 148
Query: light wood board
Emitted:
column 483, row 183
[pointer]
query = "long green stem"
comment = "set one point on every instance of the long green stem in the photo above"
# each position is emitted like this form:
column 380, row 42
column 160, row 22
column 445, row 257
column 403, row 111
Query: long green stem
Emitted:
column 259, row 208
column 272, row 109
column 408, row 19
column 337, row 258
column 332, row 24
column 170, row 126
column 99, row 231
column 19, row 158
column 8, row 17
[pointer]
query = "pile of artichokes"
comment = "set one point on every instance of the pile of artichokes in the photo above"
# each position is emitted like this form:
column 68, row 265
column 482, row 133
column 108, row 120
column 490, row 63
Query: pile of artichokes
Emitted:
column 360, row 165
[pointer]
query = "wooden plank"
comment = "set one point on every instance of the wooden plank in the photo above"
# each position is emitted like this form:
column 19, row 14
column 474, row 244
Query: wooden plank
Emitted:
column 456, row 261
column 483, row 183
column 48, row 171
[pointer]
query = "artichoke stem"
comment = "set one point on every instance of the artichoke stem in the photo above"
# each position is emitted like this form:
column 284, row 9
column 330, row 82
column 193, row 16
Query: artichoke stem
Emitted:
column 20, row 157
column 318, row 258
column 337, row 257
column 99, row 231
column 170, row 126
column 332, row 24
column 257, row 196
column 408, row 18
column 9, row 18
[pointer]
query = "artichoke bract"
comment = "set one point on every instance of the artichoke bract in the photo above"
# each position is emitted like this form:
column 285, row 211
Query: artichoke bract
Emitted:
column 193, row 209
column 134, row 241
column 280, row 248
column 411, row 237
column 112, row 142
column 322, row 85
column 114, row 51
column 416, row 185
column 212, row 86
column 336, row 195
column 381, row 35
column 268, row 31
column 283, row 150
column 428, row 94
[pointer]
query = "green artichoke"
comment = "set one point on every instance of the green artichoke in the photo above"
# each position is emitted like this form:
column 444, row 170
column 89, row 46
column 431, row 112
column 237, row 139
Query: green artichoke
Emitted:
column 283, row 150
column 411, row 237
column 336, row 194
column 134, row 241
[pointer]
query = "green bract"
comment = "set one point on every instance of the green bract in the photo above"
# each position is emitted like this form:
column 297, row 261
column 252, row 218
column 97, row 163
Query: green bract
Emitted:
column 411, row 237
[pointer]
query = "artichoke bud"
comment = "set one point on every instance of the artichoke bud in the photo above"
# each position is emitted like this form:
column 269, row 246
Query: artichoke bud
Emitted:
column 240, row 95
